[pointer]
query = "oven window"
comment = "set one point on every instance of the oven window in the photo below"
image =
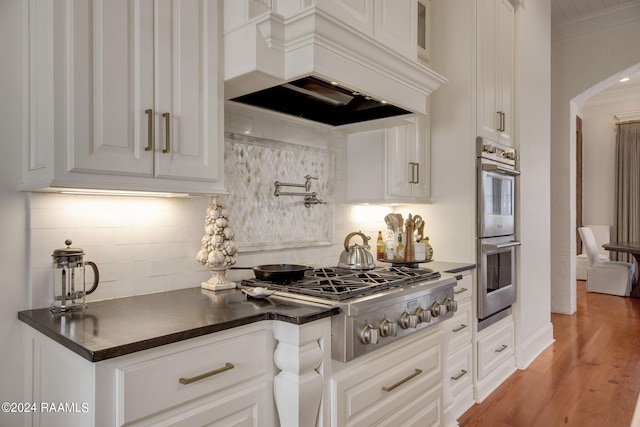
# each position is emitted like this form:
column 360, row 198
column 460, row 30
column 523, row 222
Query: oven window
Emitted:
column 498, row 193
column 498, row 270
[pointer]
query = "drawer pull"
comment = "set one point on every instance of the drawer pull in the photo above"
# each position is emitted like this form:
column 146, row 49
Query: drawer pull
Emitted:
column 399, row 383
column 186, row 381
column 459, row 291
column 459, row 328
column 460, row 375
column 501, row 349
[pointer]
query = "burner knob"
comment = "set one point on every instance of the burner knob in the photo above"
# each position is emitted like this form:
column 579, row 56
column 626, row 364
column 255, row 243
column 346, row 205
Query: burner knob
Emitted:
column 369, row 335
column 450, row 304
column 388, row 328
column 437, row 309
column 424, row 316
column 408, row 321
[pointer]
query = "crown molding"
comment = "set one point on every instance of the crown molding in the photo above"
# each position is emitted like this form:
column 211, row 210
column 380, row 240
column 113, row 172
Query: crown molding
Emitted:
column 610, row 17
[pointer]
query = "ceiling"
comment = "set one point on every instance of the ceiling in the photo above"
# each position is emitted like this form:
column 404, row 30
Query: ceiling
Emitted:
column 563, row 11
column 567, row 12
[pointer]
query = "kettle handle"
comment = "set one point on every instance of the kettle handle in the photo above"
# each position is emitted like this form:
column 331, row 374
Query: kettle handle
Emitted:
column 96, row 276
column 365, row 239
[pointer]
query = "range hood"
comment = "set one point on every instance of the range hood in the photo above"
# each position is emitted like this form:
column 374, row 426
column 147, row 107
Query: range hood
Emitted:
column 314, row 99
column 303, row 61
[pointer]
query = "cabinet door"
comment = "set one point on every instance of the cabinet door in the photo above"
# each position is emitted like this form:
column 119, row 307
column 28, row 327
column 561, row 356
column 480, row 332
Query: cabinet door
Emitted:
column 401, row 167
column 395, row 25
column 488, row 118
column 356, row 13
column 108, row 84
column 187, row 86
column 407, row 161
column 505, row 45
column 495, row 56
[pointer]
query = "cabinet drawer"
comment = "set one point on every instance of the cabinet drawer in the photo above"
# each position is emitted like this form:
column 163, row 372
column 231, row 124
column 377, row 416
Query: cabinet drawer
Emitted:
column 458, row 375
column 374, row 390
column 157, row 384
column 424, row 411
column 494, row 349
column 458, row 329
column 462, row 291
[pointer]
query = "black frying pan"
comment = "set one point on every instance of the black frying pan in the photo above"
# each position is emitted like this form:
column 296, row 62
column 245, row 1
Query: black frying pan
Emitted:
column 279, row 273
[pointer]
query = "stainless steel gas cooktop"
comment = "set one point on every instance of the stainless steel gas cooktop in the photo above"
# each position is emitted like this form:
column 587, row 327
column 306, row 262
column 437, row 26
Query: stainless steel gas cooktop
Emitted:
column 342, row 284
column 377, row 306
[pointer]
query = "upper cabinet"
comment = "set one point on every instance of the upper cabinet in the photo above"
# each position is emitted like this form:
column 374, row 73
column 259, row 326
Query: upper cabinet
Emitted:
column 495, row 68
column 395, row 24
column 137, row 98
column 390, row 165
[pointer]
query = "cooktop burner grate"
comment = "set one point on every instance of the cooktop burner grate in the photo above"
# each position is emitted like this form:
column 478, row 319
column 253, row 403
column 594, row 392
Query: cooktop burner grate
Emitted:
column 341, row 284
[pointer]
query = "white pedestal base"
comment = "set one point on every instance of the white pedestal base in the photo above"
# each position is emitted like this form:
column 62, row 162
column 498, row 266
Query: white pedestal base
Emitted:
column 218, row 281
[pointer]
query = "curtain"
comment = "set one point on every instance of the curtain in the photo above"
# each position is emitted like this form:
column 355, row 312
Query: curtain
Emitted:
column 627, row 200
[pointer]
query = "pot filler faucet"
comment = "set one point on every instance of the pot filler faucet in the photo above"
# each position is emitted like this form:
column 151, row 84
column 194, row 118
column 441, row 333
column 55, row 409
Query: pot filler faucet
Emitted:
column 310, row 198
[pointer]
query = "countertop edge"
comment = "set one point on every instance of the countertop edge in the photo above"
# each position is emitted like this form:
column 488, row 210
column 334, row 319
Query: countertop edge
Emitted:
column 133, row 347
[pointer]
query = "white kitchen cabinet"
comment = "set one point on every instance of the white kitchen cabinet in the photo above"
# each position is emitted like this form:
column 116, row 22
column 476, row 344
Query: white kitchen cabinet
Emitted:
column 393, row 24
column 495, row 70
column 495, row 356
column 137, row 103
column 400, row 385
column 390, row 165
column 458, row 378
column 159, row 386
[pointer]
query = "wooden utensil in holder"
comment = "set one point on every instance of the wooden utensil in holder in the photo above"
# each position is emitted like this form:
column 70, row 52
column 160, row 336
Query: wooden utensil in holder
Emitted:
column 409, row 250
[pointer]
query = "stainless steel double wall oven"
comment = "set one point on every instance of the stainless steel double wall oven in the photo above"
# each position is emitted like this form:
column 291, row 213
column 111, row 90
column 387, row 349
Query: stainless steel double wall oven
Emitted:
column 496, row 168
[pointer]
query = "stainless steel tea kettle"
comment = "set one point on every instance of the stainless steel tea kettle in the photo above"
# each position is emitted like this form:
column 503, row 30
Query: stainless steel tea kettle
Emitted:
column 356, row 257
column 69, row 279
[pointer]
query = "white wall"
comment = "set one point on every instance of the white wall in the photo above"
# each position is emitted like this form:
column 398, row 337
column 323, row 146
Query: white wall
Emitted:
column 582, row 56
column 13, row 229
column 598, row 148
column 453, row 169
column 534, row 330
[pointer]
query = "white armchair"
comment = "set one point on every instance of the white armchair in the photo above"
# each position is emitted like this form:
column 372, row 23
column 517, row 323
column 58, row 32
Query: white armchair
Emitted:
column 607, row 277
column 602, row 234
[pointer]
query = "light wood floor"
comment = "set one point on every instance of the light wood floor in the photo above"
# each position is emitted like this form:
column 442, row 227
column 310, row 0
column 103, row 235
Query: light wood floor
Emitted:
column 590, row 376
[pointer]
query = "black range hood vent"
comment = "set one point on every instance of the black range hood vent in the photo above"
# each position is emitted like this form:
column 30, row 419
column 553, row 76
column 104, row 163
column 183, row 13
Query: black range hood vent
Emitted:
column 314, row 99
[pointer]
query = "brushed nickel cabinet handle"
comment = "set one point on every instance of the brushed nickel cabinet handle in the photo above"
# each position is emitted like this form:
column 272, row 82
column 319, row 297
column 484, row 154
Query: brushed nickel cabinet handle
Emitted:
column 461, row 374
column 459, row 328
column 501, row 349
column 501, row 121
column 167, row 117
column 459, row 291
column 399, row 383
column 226, row 367
column 149, row 113
column 415, row 173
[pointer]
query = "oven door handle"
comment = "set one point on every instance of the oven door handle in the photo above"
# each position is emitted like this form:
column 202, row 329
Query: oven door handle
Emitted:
column 495, row 247
column 500, row 169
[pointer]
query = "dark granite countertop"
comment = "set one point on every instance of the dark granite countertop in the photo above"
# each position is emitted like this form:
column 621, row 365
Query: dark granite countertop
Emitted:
column 449, row 267
column 116, row 327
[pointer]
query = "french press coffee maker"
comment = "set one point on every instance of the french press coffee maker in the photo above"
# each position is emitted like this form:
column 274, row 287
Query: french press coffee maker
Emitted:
column 69, row 279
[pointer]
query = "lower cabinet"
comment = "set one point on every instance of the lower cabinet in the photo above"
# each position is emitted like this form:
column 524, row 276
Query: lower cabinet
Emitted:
column 401, row 385
column 458, row 377
column 220, row 379
column 495, row 356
